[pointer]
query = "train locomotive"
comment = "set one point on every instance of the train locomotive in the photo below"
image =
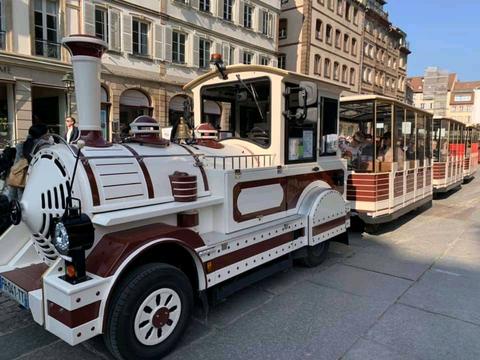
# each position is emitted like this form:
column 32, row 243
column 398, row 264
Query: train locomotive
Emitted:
column 127, row 235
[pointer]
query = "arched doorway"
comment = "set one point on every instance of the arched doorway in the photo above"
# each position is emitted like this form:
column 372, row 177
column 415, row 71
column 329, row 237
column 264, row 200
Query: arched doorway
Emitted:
column 133, row 103
column 212, row 113
column 176, row 108
column 104, row 111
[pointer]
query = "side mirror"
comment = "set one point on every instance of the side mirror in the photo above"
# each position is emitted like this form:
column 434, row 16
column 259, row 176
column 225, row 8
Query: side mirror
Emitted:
column 309, row 94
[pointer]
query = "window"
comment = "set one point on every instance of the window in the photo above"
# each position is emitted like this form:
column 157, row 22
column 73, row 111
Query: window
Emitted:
column 264, row 61
column 247, row 110
column 247, row 16
column 354, row 47
column 327, row 68
column 339, row 7
column 140, row 37
column 178, row 48
column 346, row 42
column 232, row 55
column 265, row 22
column 352, row 76
column 355, row 15
column 462, row 98
column 345, row 74
column 329, row 34
column 319, row 29
column 329, row 126
column 227, row 9
column 330, row 4
column 317, row 64
column 101, row 23
column 204, row 53
column 282, row 29
column 282, row 61
column 347, row 11
column 204, row 5
column 247, row 58
column 46, row 28
column 338, row 36
column 2, row 26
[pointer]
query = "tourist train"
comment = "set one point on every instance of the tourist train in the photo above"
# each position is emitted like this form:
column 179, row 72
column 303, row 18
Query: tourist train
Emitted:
column 123, row 237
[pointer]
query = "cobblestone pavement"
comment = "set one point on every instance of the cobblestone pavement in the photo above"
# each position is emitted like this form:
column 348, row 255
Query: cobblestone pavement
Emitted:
column 408, row 292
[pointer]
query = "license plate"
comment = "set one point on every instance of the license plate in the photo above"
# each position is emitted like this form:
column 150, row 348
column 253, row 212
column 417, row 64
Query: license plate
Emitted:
column 13, row 291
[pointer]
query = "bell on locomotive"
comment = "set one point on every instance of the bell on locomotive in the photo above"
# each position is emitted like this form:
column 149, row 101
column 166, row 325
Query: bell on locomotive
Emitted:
column 123, row 237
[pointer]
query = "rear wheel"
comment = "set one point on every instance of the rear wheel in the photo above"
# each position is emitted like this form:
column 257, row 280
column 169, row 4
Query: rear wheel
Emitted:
column 148, row 312
column 316, row 254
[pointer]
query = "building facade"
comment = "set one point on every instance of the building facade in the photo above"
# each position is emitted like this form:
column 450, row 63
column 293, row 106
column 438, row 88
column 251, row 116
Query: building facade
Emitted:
column 444, row 95
column 385, row 53
column 154, row 48
column 323, row 38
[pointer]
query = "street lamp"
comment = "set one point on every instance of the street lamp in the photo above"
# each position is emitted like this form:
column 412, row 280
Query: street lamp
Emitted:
column 70, row 87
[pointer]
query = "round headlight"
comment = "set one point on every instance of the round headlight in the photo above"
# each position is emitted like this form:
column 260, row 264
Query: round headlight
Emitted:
column 60, row 239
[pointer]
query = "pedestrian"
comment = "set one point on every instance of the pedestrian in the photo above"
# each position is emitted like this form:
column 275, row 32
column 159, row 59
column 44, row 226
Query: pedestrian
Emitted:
column 72, row 133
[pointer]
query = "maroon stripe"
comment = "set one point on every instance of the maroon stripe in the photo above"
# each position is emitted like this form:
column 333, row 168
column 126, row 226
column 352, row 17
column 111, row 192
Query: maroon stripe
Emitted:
column 74, row 318
column 145, row 172
column 249, row 251
column 91, row 179
column 328, row 225
column 200, row 166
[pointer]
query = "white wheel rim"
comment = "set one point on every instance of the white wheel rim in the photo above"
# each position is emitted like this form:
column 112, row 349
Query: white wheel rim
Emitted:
column 157, row 316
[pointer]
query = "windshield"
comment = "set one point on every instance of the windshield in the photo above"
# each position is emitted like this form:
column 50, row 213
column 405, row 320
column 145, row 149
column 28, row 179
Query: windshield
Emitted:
column 244, row 109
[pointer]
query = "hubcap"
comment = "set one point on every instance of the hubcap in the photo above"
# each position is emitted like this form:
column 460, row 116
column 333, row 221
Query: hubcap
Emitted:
column 157, row 316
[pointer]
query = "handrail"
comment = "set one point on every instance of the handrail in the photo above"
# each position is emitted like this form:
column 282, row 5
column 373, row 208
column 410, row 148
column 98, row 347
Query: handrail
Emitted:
column 241, row 160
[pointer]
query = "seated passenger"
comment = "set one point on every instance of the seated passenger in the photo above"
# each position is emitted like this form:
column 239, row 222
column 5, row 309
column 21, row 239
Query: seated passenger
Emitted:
column 359, row 152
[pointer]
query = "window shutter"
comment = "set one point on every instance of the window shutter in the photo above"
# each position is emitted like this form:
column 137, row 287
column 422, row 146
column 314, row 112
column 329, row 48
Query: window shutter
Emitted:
column 127, row 33
column 195, row 53
column 241, row 12
column 258, row 21
column 274, row 62
column 220, row 5
column 226, row 54
column 88, row 17
column 159, row 43
column 239, row 56
column 114, row 30
column 194, row 4
column 217, row 47
column 272, row 25
column 61, row 25
column 168, row 44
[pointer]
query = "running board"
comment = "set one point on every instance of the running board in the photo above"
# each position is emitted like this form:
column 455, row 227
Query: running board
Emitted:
column 224, row 290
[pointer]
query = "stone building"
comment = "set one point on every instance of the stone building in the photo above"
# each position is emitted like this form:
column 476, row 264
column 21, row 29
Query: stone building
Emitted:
column 323, row 38
column 385, row 54
column 154, row 48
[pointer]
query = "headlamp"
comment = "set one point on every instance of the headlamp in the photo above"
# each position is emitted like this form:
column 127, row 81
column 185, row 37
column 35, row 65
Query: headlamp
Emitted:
column 60, row 239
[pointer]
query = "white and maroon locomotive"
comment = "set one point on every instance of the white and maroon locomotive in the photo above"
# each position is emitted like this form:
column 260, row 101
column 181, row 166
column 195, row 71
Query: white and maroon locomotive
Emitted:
column 128, row 234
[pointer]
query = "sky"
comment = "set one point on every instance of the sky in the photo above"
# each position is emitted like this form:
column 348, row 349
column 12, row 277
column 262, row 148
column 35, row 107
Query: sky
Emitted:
column 441, row 33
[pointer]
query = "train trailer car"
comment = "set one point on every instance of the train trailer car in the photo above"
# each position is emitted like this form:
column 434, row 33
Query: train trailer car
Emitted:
column 471, row 153
column 448, row 154
column 388, row 148
column 128, row 234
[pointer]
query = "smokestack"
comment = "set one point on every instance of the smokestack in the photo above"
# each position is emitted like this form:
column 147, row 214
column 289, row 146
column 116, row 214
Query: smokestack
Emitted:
column 86, row 53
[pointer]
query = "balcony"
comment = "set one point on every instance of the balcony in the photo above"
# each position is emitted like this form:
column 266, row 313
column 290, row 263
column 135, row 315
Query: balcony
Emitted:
column 47, row 48
column 376, row 6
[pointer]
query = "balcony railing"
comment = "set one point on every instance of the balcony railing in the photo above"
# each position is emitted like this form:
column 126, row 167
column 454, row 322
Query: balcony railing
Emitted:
column 2, row 40
column 47, row 48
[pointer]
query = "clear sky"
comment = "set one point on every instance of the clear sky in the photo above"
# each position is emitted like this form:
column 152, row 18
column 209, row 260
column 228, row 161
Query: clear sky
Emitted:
column 441, row 33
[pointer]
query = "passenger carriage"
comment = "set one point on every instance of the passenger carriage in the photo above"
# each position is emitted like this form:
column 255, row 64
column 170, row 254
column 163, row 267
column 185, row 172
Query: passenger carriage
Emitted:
column 388, row 148
column 448, row 154
column 471, row 152
column 127, row 234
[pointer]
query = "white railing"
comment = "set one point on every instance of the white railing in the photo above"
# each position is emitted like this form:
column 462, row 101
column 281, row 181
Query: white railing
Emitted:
column 236, row 162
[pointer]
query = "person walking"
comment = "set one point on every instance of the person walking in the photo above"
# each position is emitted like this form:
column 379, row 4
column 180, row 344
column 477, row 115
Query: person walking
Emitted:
column 72, row 133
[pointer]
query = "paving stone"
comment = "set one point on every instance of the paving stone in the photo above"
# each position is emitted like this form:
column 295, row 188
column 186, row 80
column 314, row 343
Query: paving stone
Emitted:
column 362, row 282
column 309, row 321
column 426, row 335
column 446, row 293
column 369, row 350
column 406, row 265
column 23, row 341
column 61, row 350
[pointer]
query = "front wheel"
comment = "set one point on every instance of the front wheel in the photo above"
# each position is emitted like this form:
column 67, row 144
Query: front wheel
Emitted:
column 149, row 312
column 316, row 254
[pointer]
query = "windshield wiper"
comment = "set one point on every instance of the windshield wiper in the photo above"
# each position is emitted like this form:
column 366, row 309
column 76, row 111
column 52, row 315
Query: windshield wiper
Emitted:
column 254, row 94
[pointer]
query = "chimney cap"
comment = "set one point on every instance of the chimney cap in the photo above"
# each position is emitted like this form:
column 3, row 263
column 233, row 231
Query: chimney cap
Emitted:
column 85, row 45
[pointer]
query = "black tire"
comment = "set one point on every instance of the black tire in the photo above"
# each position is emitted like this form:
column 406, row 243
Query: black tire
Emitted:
column 119, row 333
column 316, row 254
